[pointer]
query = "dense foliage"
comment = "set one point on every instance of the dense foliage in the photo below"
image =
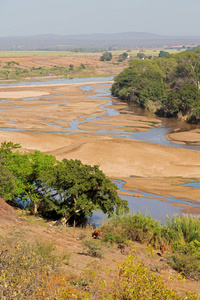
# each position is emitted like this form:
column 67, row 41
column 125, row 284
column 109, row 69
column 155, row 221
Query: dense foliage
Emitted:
column 67, row 189
column 169, row 85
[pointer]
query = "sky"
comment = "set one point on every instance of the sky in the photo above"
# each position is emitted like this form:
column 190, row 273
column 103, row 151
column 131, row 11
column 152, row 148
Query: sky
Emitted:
column 65, row 17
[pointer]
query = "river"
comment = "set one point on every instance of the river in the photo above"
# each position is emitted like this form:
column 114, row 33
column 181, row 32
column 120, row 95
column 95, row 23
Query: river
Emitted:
column 153, row 204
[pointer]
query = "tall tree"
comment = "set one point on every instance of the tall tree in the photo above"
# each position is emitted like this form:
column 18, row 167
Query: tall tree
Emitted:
column 78, row 190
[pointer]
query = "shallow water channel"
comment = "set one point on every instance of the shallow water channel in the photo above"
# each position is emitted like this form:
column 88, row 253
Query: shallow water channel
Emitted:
column 157, row 206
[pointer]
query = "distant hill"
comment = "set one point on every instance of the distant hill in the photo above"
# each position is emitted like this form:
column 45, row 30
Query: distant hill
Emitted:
column 96, row 40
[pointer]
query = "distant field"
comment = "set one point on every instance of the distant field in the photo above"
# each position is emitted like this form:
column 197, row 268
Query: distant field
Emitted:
column 68, row 53
column 18, row 65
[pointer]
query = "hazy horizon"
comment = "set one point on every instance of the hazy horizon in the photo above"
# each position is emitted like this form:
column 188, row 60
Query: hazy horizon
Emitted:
column 67, row 17
column 97, row 33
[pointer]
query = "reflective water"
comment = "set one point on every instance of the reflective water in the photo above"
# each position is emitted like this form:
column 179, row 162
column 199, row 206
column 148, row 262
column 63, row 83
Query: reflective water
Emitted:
column 148, row 203
column 58, row 81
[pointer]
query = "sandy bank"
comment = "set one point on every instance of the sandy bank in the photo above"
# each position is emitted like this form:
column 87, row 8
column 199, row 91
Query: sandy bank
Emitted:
column 22, row 94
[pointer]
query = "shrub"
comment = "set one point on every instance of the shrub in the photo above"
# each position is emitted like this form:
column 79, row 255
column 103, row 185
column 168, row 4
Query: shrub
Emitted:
column 186, row 259
column 112, row 238
column 137, row 282
column 27, row 269
column 135, row 227
column 182, row 229
column 92, row 248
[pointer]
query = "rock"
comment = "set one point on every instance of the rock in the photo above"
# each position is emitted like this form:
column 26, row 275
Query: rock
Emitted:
column 7, row 213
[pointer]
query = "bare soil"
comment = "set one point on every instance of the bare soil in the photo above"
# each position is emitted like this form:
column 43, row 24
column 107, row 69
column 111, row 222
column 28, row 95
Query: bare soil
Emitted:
column 65, row 60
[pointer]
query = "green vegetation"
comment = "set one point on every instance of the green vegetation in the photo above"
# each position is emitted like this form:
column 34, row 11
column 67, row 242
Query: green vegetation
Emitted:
column 66, row 189
column 169, row 85
column 163, row 53
column 106, row 56
column 134, row 227
column 181, row 234
column 123, row 56
column 135, row 281
column 11, row 72
column 92, row 248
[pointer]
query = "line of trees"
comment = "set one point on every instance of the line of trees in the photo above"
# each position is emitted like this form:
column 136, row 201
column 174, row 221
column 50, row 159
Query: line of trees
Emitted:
column 66, row 189
column 169, row 85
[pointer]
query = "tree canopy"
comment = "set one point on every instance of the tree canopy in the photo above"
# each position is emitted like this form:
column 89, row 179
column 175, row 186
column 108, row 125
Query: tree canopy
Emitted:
column 106, row 56
column 67, row 189
column 170, row 82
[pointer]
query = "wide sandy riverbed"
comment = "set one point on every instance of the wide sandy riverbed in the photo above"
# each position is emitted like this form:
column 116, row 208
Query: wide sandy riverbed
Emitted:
column 42, row 121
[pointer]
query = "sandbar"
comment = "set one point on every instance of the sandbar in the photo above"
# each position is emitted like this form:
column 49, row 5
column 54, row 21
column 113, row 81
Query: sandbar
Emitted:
column 46, row 121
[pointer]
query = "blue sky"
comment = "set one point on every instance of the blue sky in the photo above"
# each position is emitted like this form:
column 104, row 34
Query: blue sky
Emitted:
column 168, row 17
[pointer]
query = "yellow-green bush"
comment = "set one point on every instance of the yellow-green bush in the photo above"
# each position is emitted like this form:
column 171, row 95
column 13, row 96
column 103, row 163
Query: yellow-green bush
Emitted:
column 136, row 282
column 26, row 269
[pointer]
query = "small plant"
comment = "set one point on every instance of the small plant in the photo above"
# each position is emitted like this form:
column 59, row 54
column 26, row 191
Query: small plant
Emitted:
column 111, row 237
column 92, row 248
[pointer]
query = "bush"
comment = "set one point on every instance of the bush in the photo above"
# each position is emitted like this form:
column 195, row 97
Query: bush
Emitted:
column 135, row 227
column 107, row 56
column 182, row 229
column 136, row 282
column 186, row 259
column 112, row 238
column 92, row 248
column 27, row 269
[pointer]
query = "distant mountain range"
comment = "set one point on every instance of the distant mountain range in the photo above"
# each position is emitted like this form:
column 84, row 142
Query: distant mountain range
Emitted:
column 97, row 40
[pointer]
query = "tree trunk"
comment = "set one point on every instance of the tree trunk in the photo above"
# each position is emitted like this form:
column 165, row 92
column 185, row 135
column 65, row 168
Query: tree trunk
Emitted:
column 62, row 221
column 35, row 208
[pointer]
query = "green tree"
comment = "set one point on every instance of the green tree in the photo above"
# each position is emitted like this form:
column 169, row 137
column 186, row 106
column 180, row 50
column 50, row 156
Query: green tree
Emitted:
column 29, row 172
column 141, row 55
column 189, row 67
column 122, row 56
column 107, row 56
column 82, row 66
column 171, row 82
column 78, row 190
column 67, row 189
column 163, row 53
column 7, row 182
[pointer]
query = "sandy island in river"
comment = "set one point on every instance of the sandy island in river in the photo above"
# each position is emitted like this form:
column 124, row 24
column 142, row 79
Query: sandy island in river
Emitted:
column 158, row 168
column 192, row 136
